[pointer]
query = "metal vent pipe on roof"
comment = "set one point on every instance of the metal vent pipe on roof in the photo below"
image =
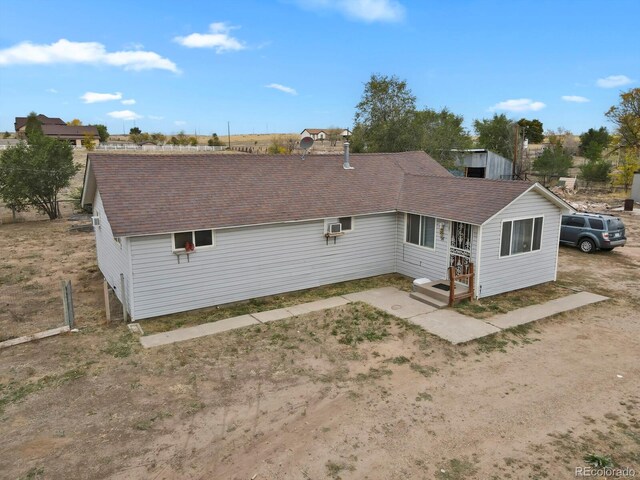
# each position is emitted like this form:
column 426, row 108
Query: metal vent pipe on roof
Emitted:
column 346, row 165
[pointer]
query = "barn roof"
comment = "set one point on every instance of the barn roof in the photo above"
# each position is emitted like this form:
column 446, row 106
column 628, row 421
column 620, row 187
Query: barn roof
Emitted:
column 150, row 194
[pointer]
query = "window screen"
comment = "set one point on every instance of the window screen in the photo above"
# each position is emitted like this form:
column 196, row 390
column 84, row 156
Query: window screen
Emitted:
column 505, row 244
column 345, row 222
column 537, row 233
column 204, row 238
column 428, row 231
column 413, row 228
column 181, row 238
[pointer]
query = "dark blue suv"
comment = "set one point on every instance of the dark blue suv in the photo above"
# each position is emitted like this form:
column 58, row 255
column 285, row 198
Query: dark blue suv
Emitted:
column 590, row 232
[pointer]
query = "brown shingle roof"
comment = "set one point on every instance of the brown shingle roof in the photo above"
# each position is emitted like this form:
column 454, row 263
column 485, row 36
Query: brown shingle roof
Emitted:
column 44, row 120
column 69, row 131
column 150, row 194
column 468, row 200
column 145, row 194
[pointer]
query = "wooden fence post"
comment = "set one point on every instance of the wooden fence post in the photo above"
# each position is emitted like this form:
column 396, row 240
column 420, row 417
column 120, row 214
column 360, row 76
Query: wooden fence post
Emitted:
column 452, row 285
column 67, row 302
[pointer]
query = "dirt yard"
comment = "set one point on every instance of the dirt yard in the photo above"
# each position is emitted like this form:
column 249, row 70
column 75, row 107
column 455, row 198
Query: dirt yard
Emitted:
column 349, row 393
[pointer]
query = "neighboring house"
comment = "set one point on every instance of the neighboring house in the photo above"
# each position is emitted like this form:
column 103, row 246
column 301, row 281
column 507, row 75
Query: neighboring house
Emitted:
column 21, row 122
column 260, row 225
column 57, row 128
column 315, row 133
column 482, row 163
column 345, row 134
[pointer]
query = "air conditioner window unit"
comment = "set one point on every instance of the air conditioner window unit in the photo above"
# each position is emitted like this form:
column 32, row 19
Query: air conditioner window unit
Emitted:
column 95, row 221
column 335, row 228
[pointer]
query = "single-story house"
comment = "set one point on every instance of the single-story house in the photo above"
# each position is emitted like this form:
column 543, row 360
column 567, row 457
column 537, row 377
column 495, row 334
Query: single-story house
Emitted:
column 315, row 133
column 57, row 128
column 482, row 163
column 181, row 232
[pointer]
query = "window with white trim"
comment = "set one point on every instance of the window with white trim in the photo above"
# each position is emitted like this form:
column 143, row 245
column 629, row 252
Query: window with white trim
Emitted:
column 421, row 230
column 521, row 236
column 198, row 238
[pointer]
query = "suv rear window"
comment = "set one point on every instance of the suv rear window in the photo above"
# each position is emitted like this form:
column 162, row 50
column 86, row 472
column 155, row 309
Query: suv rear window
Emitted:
column 596, row 223
column 615, row 224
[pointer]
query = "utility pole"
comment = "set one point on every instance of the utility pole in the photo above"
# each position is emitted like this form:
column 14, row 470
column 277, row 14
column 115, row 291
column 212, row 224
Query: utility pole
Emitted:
column 515, row 153
column 229, row 134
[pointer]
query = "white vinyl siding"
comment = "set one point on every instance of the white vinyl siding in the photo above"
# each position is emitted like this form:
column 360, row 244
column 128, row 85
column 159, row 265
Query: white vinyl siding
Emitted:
column 252, row 262
column 113, row 256
column 416, row 261
column 499, row 274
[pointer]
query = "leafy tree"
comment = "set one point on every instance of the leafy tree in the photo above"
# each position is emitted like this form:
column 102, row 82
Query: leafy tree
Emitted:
column 140, row 138
column 593, row 143
column 6, row 135
column 626, row 117
column 75, row 122
column 33, row 126
column 595, row 170
column 554, row 161
column 438, row 133
column 87, row 142
column 135, row 131
column 533, row 130
column 282, row 144
column 102, row 133
column 158, row 138
column 333, row 135
column 214, row 141
column 193, row 141
column 33, row 174
column 627, row 167
column 563, row 138
column 496, row 134
column 384, row 116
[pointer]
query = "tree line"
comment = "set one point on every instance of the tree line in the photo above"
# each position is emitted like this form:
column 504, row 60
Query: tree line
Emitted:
column 387, row 120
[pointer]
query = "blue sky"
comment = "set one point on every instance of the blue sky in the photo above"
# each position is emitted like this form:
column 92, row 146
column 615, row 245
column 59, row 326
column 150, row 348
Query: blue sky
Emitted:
column 286, row 65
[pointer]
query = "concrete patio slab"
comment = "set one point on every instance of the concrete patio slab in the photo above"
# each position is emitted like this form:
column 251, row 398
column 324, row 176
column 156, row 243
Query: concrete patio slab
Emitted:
column 537, row 312
column 453, row 326
column 392, row 301
column 182, row 334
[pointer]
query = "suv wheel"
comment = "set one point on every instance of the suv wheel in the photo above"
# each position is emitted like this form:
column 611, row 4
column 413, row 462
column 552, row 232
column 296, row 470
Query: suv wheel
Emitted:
column 587, row 246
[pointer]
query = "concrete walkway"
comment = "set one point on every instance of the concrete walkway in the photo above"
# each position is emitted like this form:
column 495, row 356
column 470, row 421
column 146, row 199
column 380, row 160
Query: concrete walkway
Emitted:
column 448, row 324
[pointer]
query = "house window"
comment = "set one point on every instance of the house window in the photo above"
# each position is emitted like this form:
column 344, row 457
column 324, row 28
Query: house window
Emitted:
column 199, row 238
column 346, row 222
column 521, row 236
column 421, row 230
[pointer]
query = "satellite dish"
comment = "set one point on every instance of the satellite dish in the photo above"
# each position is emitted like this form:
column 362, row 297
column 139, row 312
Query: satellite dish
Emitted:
column 305, row 144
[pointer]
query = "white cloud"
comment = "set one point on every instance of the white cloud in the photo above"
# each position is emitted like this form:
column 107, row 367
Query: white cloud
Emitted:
column 155, row 117
column 129, row 101
column 575, row 99
column 93, row 97
column 179, row 123
column 218, row 37
column 282, row 88
column 124, row 115
column 519, row 105
column 362, row 10
column 93, row 53
column 52, row 90
column 613, row 81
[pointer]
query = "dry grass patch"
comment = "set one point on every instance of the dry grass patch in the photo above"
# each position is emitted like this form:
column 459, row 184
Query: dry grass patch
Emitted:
column 178, row 320
column 506, row 302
